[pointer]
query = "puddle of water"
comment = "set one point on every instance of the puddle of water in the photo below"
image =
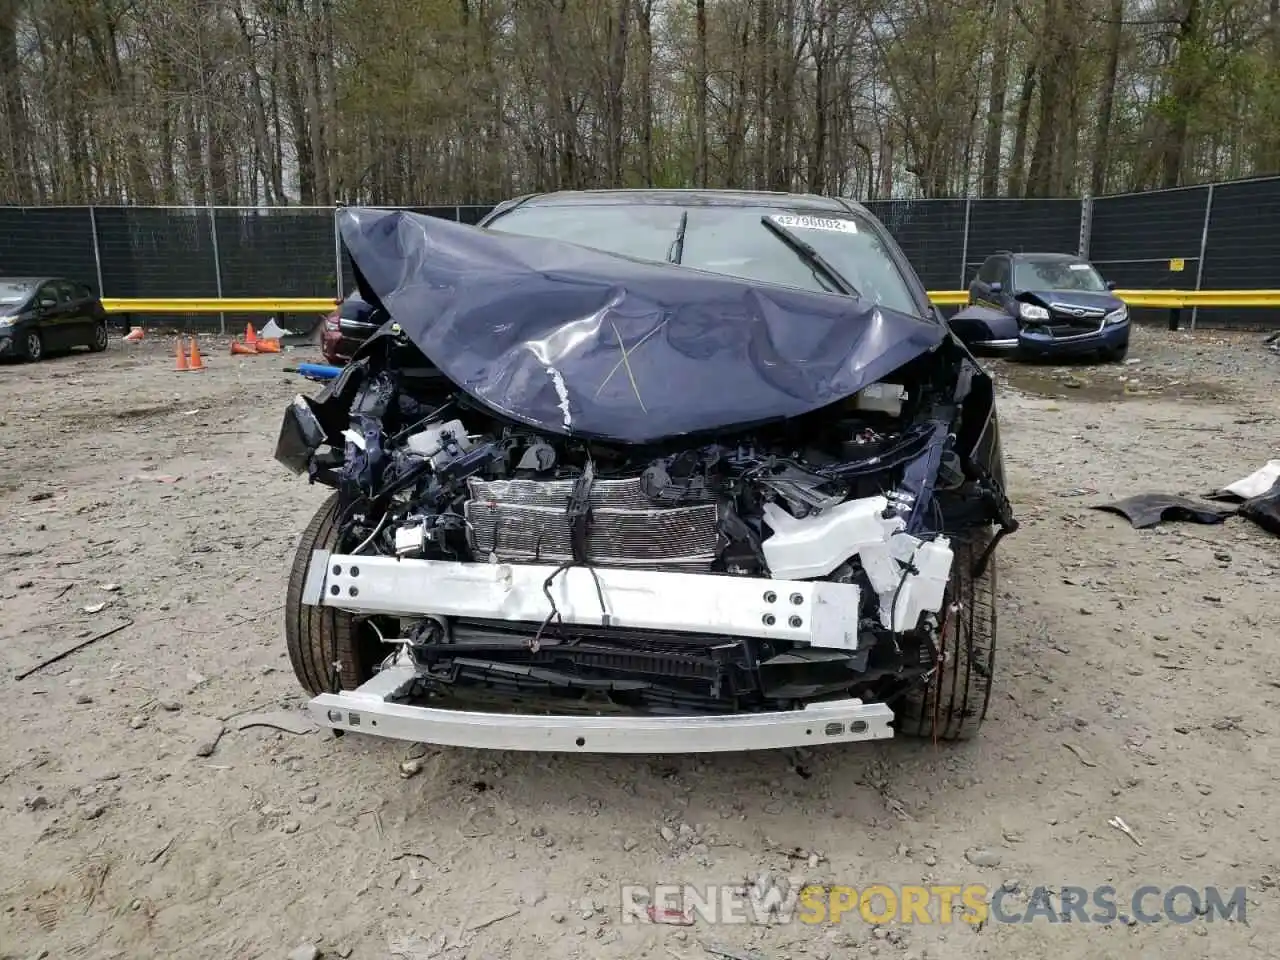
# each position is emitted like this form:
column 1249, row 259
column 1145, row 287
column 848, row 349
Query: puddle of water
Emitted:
column 1104, row 384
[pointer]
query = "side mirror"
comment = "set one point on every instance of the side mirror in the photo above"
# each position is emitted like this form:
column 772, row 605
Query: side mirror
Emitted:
column 997, row 287
column 1111, row 284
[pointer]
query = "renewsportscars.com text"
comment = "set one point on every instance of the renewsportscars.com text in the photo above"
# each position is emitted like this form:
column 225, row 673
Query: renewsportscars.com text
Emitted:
column 973, row 903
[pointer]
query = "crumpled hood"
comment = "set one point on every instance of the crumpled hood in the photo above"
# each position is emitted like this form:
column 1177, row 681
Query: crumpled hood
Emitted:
column 1076, row 298
column 575, row 341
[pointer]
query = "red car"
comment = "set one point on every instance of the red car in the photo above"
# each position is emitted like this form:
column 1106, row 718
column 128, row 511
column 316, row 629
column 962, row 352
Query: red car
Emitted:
column 348, row 327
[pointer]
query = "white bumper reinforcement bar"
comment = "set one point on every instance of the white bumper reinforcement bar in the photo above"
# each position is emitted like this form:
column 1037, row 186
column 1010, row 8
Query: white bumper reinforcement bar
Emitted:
column 820, row 613
column 371, row 709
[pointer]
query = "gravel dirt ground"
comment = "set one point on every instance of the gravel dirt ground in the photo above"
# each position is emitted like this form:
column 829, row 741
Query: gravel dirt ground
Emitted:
column 1136, row 679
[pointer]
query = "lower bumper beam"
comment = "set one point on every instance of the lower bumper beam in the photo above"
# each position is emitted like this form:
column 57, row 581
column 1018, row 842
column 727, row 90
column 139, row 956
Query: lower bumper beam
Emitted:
column 372, row 709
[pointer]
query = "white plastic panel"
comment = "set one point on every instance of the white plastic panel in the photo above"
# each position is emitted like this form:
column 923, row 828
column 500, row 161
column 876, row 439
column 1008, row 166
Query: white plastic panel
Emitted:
column 824, row 614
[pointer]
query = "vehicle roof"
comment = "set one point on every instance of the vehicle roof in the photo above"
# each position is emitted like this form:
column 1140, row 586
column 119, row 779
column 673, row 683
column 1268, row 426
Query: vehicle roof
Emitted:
column 1023, row 255
column 4, row 279
column 711, row 198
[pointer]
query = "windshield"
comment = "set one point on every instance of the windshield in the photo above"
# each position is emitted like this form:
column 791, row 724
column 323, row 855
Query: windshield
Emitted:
column 1057, row 275
column 729, row 240
column 14, row 292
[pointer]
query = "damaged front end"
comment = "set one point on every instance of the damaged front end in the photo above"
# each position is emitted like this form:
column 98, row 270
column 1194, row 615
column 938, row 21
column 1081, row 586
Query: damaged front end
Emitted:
column 525, row 554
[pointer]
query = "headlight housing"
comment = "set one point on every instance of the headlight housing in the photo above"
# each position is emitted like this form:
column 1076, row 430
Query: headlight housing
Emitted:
column 1029, row 311
column 1119, row 315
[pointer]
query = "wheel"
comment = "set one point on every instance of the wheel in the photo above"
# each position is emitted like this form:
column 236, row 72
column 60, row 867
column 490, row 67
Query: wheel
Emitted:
column 319, row 637
column 954, row 702
column 33, row 346
column 99, row 341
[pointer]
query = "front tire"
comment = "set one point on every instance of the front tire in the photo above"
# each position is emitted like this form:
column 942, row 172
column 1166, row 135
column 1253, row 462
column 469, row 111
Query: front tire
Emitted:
column 99, row 341
column 954, row 703
column 320, row 637
column 33, row 346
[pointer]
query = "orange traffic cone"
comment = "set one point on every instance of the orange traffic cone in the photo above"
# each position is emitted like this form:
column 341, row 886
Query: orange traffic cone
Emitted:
column 250, row 337
column 181, row 365
column 134, row 335
column 267, row 346
column 197, row 362
column 238, row 349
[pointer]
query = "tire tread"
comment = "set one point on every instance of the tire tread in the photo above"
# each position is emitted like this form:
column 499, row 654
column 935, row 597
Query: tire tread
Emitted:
column 954, row 703
column 317, row 637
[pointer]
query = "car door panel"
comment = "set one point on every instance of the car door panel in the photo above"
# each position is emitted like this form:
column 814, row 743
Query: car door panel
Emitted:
column 980, row 290
column 82, row 313
column 1006, row 288
column 48, row 317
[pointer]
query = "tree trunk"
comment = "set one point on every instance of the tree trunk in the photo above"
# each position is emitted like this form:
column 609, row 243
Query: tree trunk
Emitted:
column 781, row 65
column 1106, row 102
column 263, row 156
column 1018, row 159
column 700, row 98
column 821, row 109
column 617, row 75
column 293, row 94
column 995, row 103
column 736, row 146
column 644, row 16
column 314, row 98
column 16, row 186
column 764, row 57
column 1186, row 89
column 195, row 157
column 1040, row 174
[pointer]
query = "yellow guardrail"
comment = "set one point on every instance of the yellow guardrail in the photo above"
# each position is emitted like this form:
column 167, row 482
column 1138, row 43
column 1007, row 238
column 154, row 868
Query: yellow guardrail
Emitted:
column 1175, row 299
column 227, row 305
column 1158, row 299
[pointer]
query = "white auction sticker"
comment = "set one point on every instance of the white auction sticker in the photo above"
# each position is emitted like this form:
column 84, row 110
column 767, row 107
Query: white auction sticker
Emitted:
column 793, row 221
column 1079, row 266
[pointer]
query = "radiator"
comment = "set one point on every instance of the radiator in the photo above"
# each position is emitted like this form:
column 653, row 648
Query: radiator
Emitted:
column 526, row 520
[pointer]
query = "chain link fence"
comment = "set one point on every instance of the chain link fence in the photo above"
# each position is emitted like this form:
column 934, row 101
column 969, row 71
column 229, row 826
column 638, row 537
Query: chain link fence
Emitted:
column 1221, row 236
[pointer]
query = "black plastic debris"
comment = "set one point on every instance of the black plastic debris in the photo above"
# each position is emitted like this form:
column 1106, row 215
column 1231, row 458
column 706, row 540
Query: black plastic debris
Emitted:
column 1149, row 509
column 1264, row 509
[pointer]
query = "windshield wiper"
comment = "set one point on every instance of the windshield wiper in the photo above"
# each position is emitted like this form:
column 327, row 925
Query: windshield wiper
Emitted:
column 676, row 251
column 812, row 258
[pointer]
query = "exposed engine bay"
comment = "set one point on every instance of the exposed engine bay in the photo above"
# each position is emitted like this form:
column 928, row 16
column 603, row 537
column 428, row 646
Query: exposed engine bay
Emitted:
column 858, row 495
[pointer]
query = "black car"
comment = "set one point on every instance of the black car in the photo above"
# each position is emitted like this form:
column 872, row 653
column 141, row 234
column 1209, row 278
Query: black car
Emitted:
column 40, row 315
column 647, row 471
column 1043, row 305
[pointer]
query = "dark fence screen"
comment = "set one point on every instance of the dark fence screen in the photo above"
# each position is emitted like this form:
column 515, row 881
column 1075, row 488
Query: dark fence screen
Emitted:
column 282, row 252
column 47, row 241
column 1136, row 238
column 149, row 252
column 930, row 233
column 1021, row 226
column 1242, row 249
column 1148, row 241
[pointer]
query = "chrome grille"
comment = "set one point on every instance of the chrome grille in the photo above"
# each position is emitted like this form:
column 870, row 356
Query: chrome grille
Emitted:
column 526, row 520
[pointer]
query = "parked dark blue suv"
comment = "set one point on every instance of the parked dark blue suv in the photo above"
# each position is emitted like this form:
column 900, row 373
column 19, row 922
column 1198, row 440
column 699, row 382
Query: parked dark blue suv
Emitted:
column 1043, row 305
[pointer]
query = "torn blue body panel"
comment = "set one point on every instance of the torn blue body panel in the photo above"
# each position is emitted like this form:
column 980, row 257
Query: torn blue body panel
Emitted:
column 580, row 342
